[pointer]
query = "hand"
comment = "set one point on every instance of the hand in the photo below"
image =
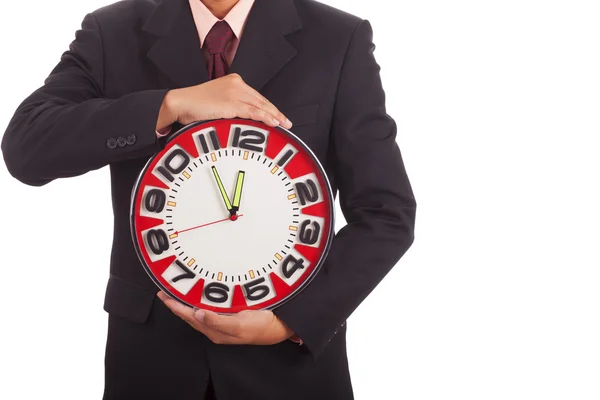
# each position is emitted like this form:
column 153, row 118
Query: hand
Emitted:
column 247, row 327
column 225, row 97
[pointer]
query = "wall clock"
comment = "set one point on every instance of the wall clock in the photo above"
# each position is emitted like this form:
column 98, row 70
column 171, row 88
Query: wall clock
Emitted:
column 232, row 215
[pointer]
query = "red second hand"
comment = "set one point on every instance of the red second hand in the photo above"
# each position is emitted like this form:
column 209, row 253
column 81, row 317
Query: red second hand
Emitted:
column 210, row 223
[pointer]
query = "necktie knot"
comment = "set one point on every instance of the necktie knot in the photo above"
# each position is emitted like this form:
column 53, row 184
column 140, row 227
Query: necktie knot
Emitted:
column 218, row 38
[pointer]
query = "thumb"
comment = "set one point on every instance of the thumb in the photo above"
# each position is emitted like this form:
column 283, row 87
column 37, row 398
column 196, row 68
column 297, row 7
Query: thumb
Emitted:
column 226, row 324
column 200, row 315
column 211, row 318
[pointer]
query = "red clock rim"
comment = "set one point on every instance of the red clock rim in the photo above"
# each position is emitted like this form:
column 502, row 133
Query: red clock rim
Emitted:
column 299, row 285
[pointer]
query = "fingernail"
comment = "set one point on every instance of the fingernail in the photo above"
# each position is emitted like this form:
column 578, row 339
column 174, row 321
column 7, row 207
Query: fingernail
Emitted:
column 288, row 123
column 276, row 122
column 199, row 315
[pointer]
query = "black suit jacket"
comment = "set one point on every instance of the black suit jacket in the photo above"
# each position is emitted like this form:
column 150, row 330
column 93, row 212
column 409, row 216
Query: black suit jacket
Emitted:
column 99, row 107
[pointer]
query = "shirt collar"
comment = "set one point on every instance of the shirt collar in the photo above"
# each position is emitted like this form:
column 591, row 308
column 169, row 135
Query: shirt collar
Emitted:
column 205, row 20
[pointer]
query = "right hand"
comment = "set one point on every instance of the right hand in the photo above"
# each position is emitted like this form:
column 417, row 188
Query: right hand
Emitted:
column 225, row 97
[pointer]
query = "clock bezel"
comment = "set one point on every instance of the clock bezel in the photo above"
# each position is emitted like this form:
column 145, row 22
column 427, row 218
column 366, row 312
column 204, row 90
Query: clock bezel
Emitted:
column 329, row 194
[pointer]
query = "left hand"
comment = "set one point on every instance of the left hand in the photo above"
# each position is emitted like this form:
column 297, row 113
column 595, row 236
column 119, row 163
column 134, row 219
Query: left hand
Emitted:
column 258, row 327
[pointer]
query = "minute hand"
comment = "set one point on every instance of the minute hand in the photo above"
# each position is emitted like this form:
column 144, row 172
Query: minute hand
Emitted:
column 222, row 190
column 237, row 195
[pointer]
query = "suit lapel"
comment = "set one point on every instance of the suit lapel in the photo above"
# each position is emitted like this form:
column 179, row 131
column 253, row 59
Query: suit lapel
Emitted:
column 176, row 51
column 263, row 49
column 262, row 53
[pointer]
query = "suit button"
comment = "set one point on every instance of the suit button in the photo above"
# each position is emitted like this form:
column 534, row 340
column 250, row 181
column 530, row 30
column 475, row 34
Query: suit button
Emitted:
column 131, row 140
column 111, row 143
column 121, row 141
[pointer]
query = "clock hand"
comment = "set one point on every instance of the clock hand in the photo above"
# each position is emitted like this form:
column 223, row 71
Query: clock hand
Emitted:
column 237, row 196
column 203, row 225
column 222, row 190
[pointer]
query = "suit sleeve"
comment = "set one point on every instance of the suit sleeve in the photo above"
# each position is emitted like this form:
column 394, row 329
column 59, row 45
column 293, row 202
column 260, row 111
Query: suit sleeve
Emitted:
column 67, row 127
column 375, row 196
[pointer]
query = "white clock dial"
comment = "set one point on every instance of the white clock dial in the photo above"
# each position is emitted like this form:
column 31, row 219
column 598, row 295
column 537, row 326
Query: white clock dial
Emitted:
column 222, row 222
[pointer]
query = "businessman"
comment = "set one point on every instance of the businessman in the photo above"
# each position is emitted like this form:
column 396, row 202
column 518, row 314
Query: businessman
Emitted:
column 140, row 69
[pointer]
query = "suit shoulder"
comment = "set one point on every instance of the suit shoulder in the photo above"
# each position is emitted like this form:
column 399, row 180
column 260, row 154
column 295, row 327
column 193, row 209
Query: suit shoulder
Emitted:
column 125, row 11
column 314, row 12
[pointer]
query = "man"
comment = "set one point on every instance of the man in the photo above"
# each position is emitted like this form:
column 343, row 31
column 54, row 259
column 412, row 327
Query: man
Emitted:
column 139, row 69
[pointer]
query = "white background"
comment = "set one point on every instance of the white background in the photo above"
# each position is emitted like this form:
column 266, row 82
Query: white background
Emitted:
column 498, row 107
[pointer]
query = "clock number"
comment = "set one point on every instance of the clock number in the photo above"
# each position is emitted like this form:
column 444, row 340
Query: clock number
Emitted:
column 296, row 264
column 285, row 158
column 187, row 273
column 255, row 291
column 214, row 141
column 155, row 200
column 216, row 292
column 309, row 234
column 249, row 139
column 157, row 241
column 169, row 170
column 307, row 191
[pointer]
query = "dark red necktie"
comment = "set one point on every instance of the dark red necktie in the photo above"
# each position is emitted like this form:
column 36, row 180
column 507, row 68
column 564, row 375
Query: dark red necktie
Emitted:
column 215, row 43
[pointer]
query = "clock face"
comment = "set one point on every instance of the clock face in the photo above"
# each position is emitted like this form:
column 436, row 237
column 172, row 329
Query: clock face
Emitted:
column 232, row 215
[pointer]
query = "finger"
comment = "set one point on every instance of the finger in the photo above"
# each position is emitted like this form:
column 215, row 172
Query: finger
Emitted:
column 265, row 105
column 251, row 112
column 217, row 337
column 216, row 332
column 259, row 101
column 162, row 295
column 188, row 315
column 230, row 325
column 209, row 329
column 182, row 311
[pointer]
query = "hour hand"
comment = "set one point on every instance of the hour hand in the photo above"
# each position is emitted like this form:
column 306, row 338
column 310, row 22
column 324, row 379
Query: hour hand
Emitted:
column 237, row 195
column 222, row 190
